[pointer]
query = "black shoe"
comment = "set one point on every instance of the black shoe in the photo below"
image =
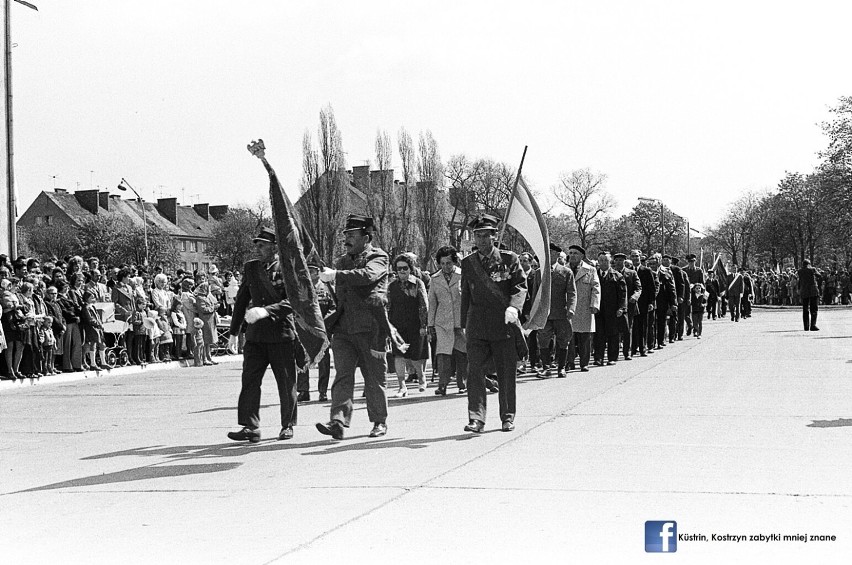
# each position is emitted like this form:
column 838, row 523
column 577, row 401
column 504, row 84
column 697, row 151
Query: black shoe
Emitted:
column 508, row 426
column 643, row 354
column 584, row 369
column 323, row 397
column 333, row 429
column 689, row 331
column 561, row 374
column 597, row 363
column 462, row 391
column 814, row 329
column 441, row 391
column 475, row 426
column 379, row 429
column 628, row 358
column 411, row 379
column 245, row 434
column 610, row 363
column 543, row 374
column 286, row 433
column 304, row 397
column 571, row 366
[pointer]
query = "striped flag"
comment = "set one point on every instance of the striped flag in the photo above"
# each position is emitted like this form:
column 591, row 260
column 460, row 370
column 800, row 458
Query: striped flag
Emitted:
column 525, row 216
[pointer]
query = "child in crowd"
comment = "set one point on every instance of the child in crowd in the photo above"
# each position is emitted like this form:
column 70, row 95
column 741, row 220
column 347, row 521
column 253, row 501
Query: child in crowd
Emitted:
column 198, row 334
column 48, row 341
column 165, row 340
column 93, row 333
column 137, row 321
column 179, row 331
column 699, row 301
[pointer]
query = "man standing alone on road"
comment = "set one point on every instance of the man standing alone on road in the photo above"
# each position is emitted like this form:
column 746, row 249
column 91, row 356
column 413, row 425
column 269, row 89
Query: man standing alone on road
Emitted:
column 809, row 293
column 493, row 288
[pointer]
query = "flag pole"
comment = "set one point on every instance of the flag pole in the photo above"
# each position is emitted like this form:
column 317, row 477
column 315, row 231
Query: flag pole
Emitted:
column 511, row 198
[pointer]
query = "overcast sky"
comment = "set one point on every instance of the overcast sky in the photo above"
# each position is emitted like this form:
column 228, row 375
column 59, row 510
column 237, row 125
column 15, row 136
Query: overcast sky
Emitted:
column 689, row 102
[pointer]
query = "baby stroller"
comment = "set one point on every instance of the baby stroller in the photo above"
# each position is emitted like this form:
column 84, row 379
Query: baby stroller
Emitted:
column 116, row 350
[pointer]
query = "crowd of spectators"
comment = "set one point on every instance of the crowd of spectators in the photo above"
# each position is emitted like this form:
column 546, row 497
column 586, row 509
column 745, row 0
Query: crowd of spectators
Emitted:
column 73, row 314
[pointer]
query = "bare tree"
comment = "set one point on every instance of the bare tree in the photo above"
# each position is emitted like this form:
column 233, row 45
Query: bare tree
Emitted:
column 403, row 229
column 324, row 185
column 431, row 200
column 582, row 192
column 381, row 200
column 462, row 175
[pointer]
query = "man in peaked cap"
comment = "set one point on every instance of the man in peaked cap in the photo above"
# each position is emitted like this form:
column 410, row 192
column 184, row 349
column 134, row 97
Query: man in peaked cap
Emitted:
column 270, row 340
column 493, row 288
column 588, row 303
column 360, row 278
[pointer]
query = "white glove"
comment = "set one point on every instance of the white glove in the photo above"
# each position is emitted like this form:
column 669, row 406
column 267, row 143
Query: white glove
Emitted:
column 327, row 275
column 255, row 314
column 232, row 344
column 511, row 315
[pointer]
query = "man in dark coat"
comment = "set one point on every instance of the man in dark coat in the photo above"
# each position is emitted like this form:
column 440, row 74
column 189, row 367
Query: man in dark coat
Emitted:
column 533, row 281
column 683, row 309
column 809, row 293
column 493, row 289
column 563, row 303
column 360, row 277
column 613, row 308
column 634, row 291
column 666, row 305
column 641, row 339
column 270, row 340
column 694, row 275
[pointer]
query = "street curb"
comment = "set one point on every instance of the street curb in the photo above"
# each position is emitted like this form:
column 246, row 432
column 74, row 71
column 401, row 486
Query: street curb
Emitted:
column 117, row 372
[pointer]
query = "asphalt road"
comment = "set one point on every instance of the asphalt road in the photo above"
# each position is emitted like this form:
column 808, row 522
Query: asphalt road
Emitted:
column 745, row 432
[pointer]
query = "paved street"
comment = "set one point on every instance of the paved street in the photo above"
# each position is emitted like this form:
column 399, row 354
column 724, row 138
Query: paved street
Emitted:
column 747, row 431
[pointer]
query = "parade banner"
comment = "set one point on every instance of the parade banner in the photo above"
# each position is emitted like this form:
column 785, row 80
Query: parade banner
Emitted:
column 721, row 275
column 525, row 216
column 310, row 326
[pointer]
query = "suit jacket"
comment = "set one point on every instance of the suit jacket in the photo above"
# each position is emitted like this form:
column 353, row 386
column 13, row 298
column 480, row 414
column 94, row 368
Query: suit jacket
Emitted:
column 687, row 296
column 613, row 298
column 588, row 297
column 445, row 311
column 735, row 287
column 359, row 277
column 533, row 284
column 634, row 290
column 667, row 297
column 695, row 274
column 677, row 275
column 808, row 282
column 263, row 286
column 650, row 288
column 482, row 313
column 563, row 292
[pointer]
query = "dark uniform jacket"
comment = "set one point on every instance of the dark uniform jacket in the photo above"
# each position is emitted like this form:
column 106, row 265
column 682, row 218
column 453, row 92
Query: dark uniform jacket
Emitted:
column 667, row 297
column 808, row 282
column 650, row 288
column 634, row 290
column 680, row 289
column 563, row 292
column 263, row 286
column 361, row 281
column 482, row 313
column 694, row 274
column 613, row 298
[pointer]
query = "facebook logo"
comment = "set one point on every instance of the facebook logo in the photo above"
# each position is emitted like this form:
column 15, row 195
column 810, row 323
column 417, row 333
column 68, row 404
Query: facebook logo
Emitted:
column 660, row 536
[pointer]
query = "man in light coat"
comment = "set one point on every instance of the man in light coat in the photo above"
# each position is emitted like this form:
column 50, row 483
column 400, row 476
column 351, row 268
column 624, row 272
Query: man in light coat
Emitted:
column 588, row 303
column 444, row 321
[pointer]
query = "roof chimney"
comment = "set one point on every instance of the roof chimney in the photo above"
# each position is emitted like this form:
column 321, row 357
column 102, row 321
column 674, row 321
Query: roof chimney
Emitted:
column 202, row 210
column 218, row 211
column 167, row 207
column 88, row 199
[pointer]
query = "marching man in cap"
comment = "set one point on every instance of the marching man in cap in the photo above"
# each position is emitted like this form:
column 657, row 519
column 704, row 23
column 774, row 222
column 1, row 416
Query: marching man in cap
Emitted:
column 563, row 302
column 270, row 340
column 360, row 278
column 493, row 288
column 588, row 304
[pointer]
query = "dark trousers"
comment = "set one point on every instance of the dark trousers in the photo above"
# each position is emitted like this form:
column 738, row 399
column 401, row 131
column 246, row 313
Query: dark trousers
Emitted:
column 352, row 351
column 682, row 315
column 734, row 306
column 697, row 322
column 582, row 344
column 711, row 308
column 505, row 357
column 256, row 358
column 324, row 368
column 639, row 334
column 532, row 345
column 687, row 318
column 608, row 341
column 651, row 331
column 746, row 306
column 626, row 334
column 810, row 306
column 449, row 364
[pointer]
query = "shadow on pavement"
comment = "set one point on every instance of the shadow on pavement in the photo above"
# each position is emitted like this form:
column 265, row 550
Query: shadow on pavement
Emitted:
column 226, row 408
column 839, row 423
column 338, row 447
column 187, row 452
column 835, row 337
column 138, row 474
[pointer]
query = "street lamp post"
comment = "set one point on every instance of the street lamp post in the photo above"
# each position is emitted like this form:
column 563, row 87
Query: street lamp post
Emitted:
column 123, row 186
column 662, row 222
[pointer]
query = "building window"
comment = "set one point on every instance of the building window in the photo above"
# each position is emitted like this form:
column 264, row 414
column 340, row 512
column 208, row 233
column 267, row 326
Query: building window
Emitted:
column 183, row 265
column 194, row 266
column 48, row 220
column 193, row 246
column 206, row 267
column 183, row 247
column 39, row 220
column 201, row 246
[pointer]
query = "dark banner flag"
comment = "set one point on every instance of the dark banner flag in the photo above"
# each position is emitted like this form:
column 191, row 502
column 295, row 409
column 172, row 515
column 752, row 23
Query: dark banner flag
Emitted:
column 292, row 243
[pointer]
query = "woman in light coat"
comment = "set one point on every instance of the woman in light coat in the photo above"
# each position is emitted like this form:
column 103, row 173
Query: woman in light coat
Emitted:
column 445, row 320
